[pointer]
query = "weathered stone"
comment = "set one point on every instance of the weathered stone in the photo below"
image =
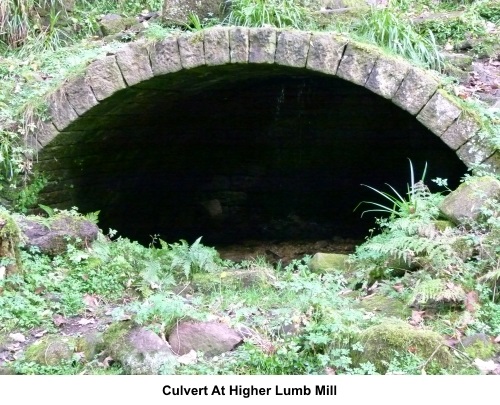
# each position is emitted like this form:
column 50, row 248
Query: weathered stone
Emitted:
column 239, row 44
column 44, row 132
column 357, row 63
column 165, row 57
column 385, row 306
column 208, row 337
column 217, row 46
column 460, row 60
column 460, row 131
column 51, row 350
column 80, row 95
column 292, row 48
column 178, row 11
column 60, row 110
column 239, row 278
column 133, row 61
column 139, row 350
column 474, row 151
column 325, row 52
column 54, row 236
column 466, row 202
column 328, row 262
column 191, row 50
column 262, row 45
column 415, row 90
column 111, row 24
column 105, row 77
column 439, row 113
column 493, row 163
column 387, row 76
column 9, row 242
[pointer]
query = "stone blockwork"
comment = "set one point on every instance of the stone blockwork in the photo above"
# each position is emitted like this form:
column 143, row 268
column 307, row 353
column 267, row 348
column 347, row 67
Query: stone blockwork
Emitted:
column 137, row 64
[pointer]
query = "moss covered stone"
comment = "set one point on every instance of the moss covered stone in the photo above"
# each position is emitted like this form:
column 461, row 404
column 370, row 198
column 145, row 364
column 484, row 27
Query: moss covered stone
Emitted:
column 385, row 306
column 381, row 342
column 9, row 245
column 327, row 262
column 238, row 278
column 51, row 350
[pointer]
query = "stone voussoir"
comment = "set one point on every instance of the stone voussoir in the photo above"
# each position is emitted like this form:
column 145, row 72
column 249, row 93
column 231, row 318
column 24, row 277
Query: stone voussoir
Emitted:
column 262, row 45
column 492, row 164
column 475, row 151
column 387, row 75
column 80, row 95
column 292, row 48
column 45, row 132
column 464, row 128
column 415, row 91
column 325, row 52
column 239, row 44
column 217, row 46
column 357, row 63
column 60, row 110
column 133, row 61
column 165, row 57
column 191, row 49
column 104, row 77
column 439, row 113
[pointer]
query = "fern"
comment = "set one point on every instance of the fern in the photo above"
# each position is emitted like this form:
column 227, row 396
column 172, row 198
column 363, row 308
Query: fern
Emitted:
column 436, row 291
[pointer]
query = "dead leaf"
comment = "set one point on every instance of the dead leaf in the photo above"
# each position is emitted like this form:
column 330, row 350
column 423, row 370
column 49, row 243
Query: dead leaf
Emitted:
column 497, row 339
column 417, row 317
column 14, row 347
column 106, row 362
column 90, row 301
column 330, row 371
column 17, row 337
column 472, row 301
column 58, row 320
column 40, row 334
column 85, row 321
column 398, row 287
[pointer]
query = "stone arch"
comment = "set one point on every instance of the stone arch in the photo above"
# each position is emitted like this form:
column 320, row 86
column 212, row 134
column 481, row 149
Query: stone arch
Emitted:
column 89, row 102
column 414, row 90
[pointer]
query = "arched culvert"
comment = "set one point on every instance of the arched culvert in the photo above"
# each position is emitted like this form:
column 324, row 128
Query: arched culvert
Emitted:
column 234, row 150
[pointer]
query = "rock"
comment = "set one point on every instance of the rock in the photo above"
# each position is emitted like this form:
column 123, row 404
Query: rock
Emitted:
column 240, row 278
column 139, row 350
column 385, row 306
column 111, row 24
column 380, row 342
column 51, row 350
column 211, row 338
column 479, row 346
column 328, row 262
column 53, row 235
column 459, row 60
column 466, row 202
column 177, row 11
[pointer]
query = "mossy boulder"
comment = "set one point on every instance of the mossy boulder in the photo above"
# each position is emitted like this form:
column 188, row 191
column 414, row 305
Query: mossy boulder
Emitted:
column 479, row 346
column 382, row 341
column 138, row 350
column 385, row 306
column 322, row 263
column 177, row 12
column 10, row 261
column 466, row 203
column 112, row 24
column 255, row 276
column 51, row 350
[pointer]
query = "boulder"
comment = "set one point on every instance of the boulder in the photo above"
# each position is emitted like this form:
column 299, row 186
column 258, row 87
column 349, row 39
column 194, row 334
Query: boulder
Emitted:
column 468, row 200
column 140, row 351
column 380, row 342
column 111, row 24
column 177, row 12
column 53, row 235
column 328, row 262
column 51, row 350
column 211, row 338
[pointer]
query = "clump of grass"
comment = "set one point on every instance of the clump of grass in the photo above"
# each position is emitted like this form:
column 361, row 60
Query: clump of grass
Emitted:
column 386, row 28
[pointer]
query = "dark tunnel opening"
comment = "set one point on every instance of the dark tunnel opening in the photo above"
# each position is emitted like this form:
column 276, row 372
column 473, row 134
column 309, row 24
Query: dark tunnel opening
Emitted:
column 269, row 154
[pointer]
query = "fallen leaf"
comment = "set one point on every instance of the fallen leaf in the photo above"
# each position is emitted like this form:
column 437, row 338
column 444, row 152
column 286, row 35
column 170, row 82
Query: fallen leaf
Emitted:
column 85, row 321
column 14, row 347
column 40, row 334
column 106, row 362
column 90, row 301
column 472, row 301
column 330, row 371
column 417, row 317
column 497, row 339
column 58, row 320
column 17, row 337
column 398, row 287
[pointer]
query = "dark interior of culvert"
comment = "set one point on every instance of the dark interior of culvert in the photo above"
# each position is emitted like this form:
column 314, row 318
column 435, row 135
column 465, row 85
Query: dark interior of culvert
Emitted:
column 252, row 152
